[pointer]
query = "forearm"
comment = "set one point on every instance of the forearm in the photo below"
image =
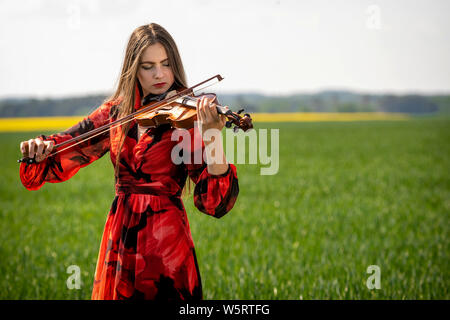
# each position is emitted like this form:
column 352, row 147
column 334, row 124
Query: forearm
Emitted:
column 215, row 156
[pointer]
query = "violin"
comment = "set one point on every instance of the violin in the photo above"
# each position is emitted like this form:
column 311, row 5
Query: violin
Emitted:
column 179, row 110
column 182, row 112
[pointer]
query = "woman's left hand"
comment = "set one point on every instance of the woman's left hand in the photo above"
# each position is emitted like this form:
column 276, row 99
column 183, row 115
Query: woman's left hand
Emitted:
column 207, row 115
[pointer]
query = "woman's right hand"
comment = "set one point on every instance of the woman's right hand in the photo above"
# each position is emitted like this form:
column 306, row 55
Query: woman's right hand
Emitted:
column 36, row 147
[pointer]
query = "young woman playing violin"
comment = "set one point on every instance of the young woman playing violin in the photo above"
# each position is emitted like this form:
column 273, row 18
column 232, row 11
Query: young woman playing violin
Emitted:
column 146, row 251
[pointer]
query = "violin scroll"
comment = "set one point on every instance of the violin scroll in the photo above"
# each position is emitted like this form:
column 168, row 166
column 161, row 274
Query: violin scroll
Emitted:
column 244, row 123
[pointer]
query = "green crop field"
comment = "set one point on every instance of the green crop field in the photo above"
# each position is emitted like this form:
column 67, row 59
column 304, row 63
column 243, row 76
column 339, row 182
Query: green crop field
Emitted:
column 347, row 195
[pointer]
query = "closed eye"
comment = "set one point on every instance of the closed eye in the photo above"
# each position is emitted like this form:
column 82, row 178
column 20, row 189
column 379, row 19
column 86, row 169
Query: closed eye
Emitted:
column 147, row 67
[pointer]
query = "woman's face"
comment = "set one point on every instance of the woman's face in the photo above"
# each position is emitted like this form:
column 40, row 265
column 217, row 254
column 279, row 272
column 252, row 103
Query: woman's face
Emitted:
column 154, row 72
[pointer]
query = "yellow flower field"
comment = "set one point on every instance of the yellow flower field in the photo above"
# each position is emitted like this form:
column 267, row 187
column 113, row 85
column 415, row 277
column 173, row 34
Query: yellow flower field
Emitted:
column 60, row 123
column 36, row 124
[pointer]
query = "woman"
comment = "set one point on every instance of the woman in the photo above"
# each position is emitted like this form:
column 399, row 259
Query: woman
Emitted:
column 146, row 251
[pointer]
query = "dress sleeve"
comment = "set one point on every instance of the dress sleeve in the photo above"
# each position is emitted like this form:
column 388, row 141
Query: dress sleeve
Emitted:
column 214, row 195
column 65, row 164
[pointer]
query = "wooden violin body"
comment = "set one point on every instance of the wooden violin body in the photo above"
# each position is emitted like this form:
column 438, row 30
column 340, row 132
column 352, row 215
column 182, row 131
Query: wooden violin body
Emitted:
column 180, row 114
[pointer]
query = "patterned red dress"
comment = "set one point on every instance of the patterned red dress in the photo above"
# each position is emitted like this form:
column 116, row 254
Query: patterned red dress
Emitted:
column 146, row 251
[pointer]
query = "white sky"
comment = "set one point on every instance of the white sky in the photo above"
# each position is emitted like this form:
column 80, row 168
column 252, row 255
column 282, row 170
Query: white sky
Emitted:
column 58, row 48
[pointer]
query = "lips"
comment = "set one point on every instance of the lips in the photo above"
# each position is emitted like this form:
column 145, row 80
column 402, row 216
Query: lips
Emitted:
column 159, row 85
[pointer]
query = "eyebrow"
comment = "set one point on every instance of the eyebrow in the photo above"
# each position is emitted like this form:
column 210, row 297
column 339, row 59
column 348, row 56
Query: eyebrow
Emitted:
column 151, row 62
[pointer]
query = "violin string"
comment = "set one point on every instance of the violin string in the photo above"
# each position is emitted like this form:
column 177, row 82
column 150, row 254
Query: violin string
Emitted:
column 125, row 121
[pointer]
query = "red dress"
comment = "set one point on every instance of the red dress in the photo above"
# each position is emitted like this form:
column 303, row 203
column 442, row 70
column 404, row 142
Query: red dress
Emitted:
column 147, row 251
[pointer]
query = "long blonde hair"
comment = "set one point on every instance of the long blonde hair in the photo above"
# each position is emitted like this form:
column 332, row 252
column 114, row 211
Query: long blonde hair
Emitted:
column 141, row 38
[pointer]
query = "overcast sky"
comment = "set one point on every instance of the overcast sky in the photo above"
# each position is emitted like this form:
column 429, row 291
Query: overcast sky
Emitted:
column 60, row 48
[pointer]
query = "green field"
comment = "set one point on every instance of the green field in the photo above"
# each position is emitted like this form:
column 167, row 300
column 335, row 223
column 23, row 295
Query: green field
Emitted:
column 347, row 195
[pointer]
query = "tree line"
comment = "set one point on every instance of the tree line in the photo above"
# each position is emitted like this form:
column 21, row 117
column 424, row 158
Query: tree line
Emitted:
column 325, row 101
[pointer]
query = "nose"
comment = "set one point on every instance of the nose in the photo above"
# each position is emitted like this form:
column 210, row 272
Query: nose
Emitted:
column 158, row 72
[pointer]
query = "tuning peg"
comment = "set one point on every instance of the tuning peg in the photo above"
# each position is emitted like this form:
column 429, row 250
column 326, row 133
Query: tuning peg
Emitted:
column 235, row 129
column 239, row 112
column 228, row 124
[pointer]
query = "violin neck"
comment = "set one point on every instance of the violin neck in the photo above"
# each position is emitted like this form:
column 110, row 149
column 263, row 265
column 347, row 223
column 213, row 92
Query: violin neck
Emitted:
column 223, row 110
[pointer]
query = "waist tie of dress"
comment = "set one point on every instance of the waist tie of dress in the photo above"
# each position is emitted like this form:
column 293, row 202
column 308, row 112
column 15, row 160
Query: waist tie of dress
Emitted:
column 143, row 189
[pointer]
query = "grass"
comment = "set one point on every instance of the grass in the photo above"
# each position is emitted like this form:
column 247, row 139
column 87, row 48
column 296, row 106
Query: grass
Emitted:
column 347, row 195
